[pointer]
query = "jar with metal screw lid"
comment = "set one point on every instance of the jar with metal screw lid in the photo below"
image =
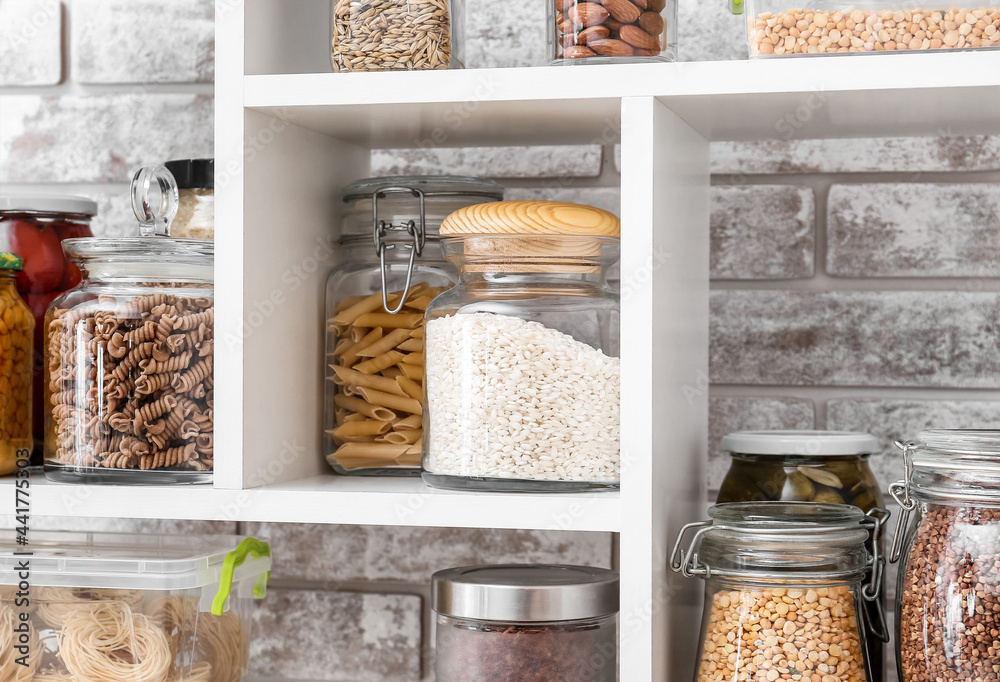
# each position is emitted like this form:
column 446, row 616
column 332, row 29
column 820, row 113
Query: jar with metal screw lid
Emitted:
column 947, row 544
column 16, row 332
column 784, row 588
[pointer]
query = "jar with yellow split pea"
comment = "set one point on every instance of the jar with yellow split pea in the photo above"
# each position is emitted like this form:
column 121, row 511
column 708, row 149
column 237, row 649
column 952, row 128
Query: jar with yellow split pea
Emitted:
column 17, row 326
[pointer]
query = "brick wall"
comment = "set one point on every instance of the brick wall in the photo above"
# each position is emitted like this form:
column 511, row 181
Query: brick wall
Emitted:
column 856, row 283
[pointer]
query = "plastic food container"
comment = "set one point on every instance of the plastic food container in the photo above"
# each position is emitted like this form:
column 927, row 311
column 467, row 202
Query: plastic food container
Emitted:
column 397, row 35
column 785, row 584
column 129, row 357
column 516, row 623
column 612, row 31
column 825, row 27
column 115, row 606
column 33, row 226
column 16, row 333
column 523, row 376
column 948, row 540
column 375, row 303
column 195, row 180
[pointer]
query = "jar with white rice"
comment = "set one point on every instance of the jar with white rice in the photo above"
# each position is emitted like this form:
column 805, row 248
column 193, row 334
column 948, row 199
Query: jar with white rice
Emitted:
column 522, row 374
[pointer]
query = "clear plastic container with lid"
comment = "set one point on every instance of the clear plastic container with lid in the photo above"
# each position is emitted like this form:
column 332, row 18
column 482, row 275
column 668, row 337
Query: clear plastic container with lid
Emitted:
column 785, row 585
column 523, row 375
column 515, row 623
column 33, row 227
column 947, row 543
column 824, row 27
column 375, row 301
column 117, row 606
column 129, row 389
column 612, row 31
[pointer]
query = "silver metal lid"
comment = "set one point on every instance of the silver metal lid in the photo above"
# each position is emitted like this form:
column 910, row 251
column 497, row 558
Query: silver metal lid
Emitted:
column 47, row 203
column 801, row 443
column 525, row 593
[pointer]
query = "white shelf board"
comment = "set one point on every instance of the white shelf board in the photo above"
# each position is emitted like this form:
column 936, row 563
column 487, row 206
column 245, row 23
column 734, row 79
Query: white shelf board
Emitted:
column 330, row 499
column 867, row 95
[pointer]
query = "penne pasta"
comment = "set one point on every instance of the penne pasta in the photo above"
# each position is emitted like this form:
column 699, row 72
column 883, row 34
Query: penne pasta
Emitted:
column 386, row 343
column 400, row 437
column 350, row 356
column 420, row 303
column 366, row 305
column 391, row 372
column 358, row 455
column 352, row 418
column 413, row 359
column 410, row 387
column 415, row 372
column 381, row 362
column 414, row 421
column 349, row 301
column 351, row 377
column 362, row 407
column 412, row 346
column 417, row 333
column 358, row 333
column 387, row 321
column 391, row 401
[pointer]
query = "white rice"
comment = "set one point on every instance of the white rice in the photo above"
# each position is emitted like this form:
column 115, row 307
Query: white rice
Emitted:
column 508, row 398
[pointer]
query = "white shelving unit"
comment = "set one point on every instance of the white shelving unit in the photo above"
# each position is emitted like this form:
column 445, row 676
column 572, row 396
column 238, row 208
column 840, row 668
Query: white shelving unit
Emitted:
column 289, row 135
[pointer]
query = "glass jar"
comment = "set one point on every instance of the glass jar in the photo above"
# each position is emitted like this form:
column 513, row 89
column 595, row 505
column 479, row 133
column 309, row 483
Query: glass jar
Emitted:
column 612, row 31
column 784, row 584
column 195, row 180
column 16, row 334
column 948, row 544
column 523, row 375
column 515, row 623
column 397, row 35
column 129, row 355
column 33, row 227
column 375, row 303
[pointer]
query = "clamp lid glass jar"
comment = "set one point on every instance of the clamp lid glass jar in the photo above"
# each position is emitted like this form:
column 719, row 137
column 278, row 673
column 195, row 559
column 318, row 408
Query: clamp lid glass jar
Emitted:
column 375, row 302
column 523, row 375
column 612, row 31
column 948, row 542
column 526, row 622
column 785, row 584
column 129, row 354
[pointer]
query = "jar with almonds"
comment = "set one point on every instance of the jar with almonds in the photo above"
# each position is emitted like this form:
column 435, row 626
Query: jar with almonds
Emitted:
column 785, row 589
column 612, row 31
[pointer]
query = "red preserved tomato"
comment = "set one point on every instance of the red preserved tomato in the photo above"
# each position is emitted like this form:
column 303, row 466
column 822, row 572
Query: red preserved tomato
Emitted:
column 71, row 274
column 38, row 244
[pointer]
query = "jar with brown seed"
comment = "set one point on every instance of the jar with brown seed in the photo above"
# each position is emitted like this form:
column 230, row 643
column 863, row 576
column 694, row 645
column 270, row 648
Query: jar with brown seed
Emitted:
column 948, row 546
column 397, row 35
column 612, row 31
column 785, row 585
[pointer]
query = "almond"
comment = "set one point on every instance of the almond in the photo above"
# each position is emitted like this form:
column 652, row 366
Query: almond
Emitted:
column 567, row 27
column 639, row 52
column 588, row 14
column 563, row 5
column 651, row 23
column 641, row 4
column 592, row 33
column 657, row 5
column 622, row 10
column 578, row 52
column 635, row 36
column 609, row 47
column 612, row 24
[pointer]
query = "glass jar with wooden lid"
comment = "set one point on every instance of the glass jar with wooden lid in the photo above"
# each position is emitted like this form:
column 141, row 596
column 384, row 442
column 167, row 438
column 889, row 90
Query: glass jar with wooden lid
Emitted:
column 522, row 370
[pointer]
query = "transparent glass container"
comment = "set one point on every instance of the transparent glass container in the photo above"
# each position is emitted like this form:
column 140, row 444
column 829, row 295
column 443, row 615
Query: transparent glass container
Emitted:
column 33, row 226
column 375, row 301
column 195, row 180
column 122, row 606
column 16, row 334
column 517, row 623
column 780, row 28
column 948, row 545
column 523, row 375
column 612, row 31
column 785, row 588
column 397, row 35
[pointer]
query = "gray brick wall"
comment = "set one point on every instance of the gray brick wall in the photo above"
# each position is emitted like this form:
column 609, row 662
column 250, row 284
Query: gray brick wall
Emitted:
column 856, row 283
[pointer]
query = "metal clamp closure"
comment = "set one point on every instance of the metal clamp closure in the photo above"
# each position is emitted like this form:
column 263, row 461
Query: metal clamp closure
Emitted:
column 418, row 235
column 874, row 521
column 686, row 562
column 900, row 491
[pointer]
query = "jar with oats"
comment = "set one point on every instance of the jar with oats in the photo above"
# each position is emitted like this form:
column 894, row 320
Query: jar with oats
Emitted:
column 948, row 546
column 397, row 35
column 17, row 327
column 129, row 382
column 785, row 584
column 375, row 301
column 612, row 31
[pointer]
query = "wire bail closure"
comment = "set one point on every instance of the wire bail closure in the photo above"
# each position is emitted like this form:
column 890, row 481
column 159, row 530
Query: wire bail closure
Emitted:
column 154, row 210
column 418, row 235
column 900, row 491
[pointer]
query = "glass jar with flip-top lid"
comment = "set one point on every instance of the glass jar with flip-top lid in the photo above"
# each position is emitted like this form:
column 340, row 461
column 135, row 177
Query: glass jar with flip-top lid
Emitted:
column 948, row 544
column 129, row 383
column 523, row 375
column 785, row 585
column 375, row 301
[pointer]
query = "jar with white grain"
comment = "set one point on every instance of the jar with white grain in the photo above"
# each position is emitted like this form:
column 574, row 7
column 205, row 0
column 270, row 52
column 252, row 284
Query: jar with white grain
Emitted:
column 522, row 375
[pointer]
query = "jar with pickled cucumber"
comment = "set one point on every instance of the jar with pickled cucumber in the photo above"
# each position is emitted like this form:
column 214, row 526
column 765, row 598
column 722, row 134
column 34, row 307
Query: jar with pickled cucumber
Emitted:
column 17, row 327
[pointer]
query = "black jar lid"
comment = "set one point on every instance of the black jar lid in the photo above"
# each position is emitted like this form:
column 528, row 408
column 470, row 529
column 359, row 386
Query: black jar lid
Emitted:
column 193, row 173
column 525, row 593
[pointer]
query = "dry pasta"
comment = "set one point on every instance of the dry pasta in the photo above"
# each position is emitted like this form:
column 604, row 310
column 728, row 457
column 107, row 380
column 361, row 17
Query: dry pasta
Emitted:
column 129, row 383
column 376, row 376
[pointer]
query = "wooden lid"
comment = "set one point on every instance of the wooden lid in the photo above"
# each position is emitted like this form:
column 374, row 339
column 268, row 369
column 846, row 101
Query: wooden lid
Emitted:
column 531, row 218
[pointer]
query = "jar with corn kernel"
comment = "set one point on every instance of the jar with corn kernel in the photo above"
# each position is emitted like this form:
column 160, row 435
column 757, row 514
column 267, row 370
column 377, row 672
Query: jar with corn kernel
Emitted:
column 785, row 588
column 17, row 326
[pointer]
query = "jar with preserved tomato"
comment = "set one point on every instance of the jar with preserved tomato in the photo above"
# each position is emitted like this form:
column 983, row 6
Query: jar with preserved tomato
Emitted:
column 16, row 325
column 33, row 227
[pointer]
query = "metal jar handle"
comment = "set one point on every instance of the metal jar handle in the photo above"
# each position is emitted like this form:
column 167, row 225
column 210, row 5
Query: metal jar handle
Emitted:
column 686, row 563
column 418, row 234
column 872, row 591
column 900, row 491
